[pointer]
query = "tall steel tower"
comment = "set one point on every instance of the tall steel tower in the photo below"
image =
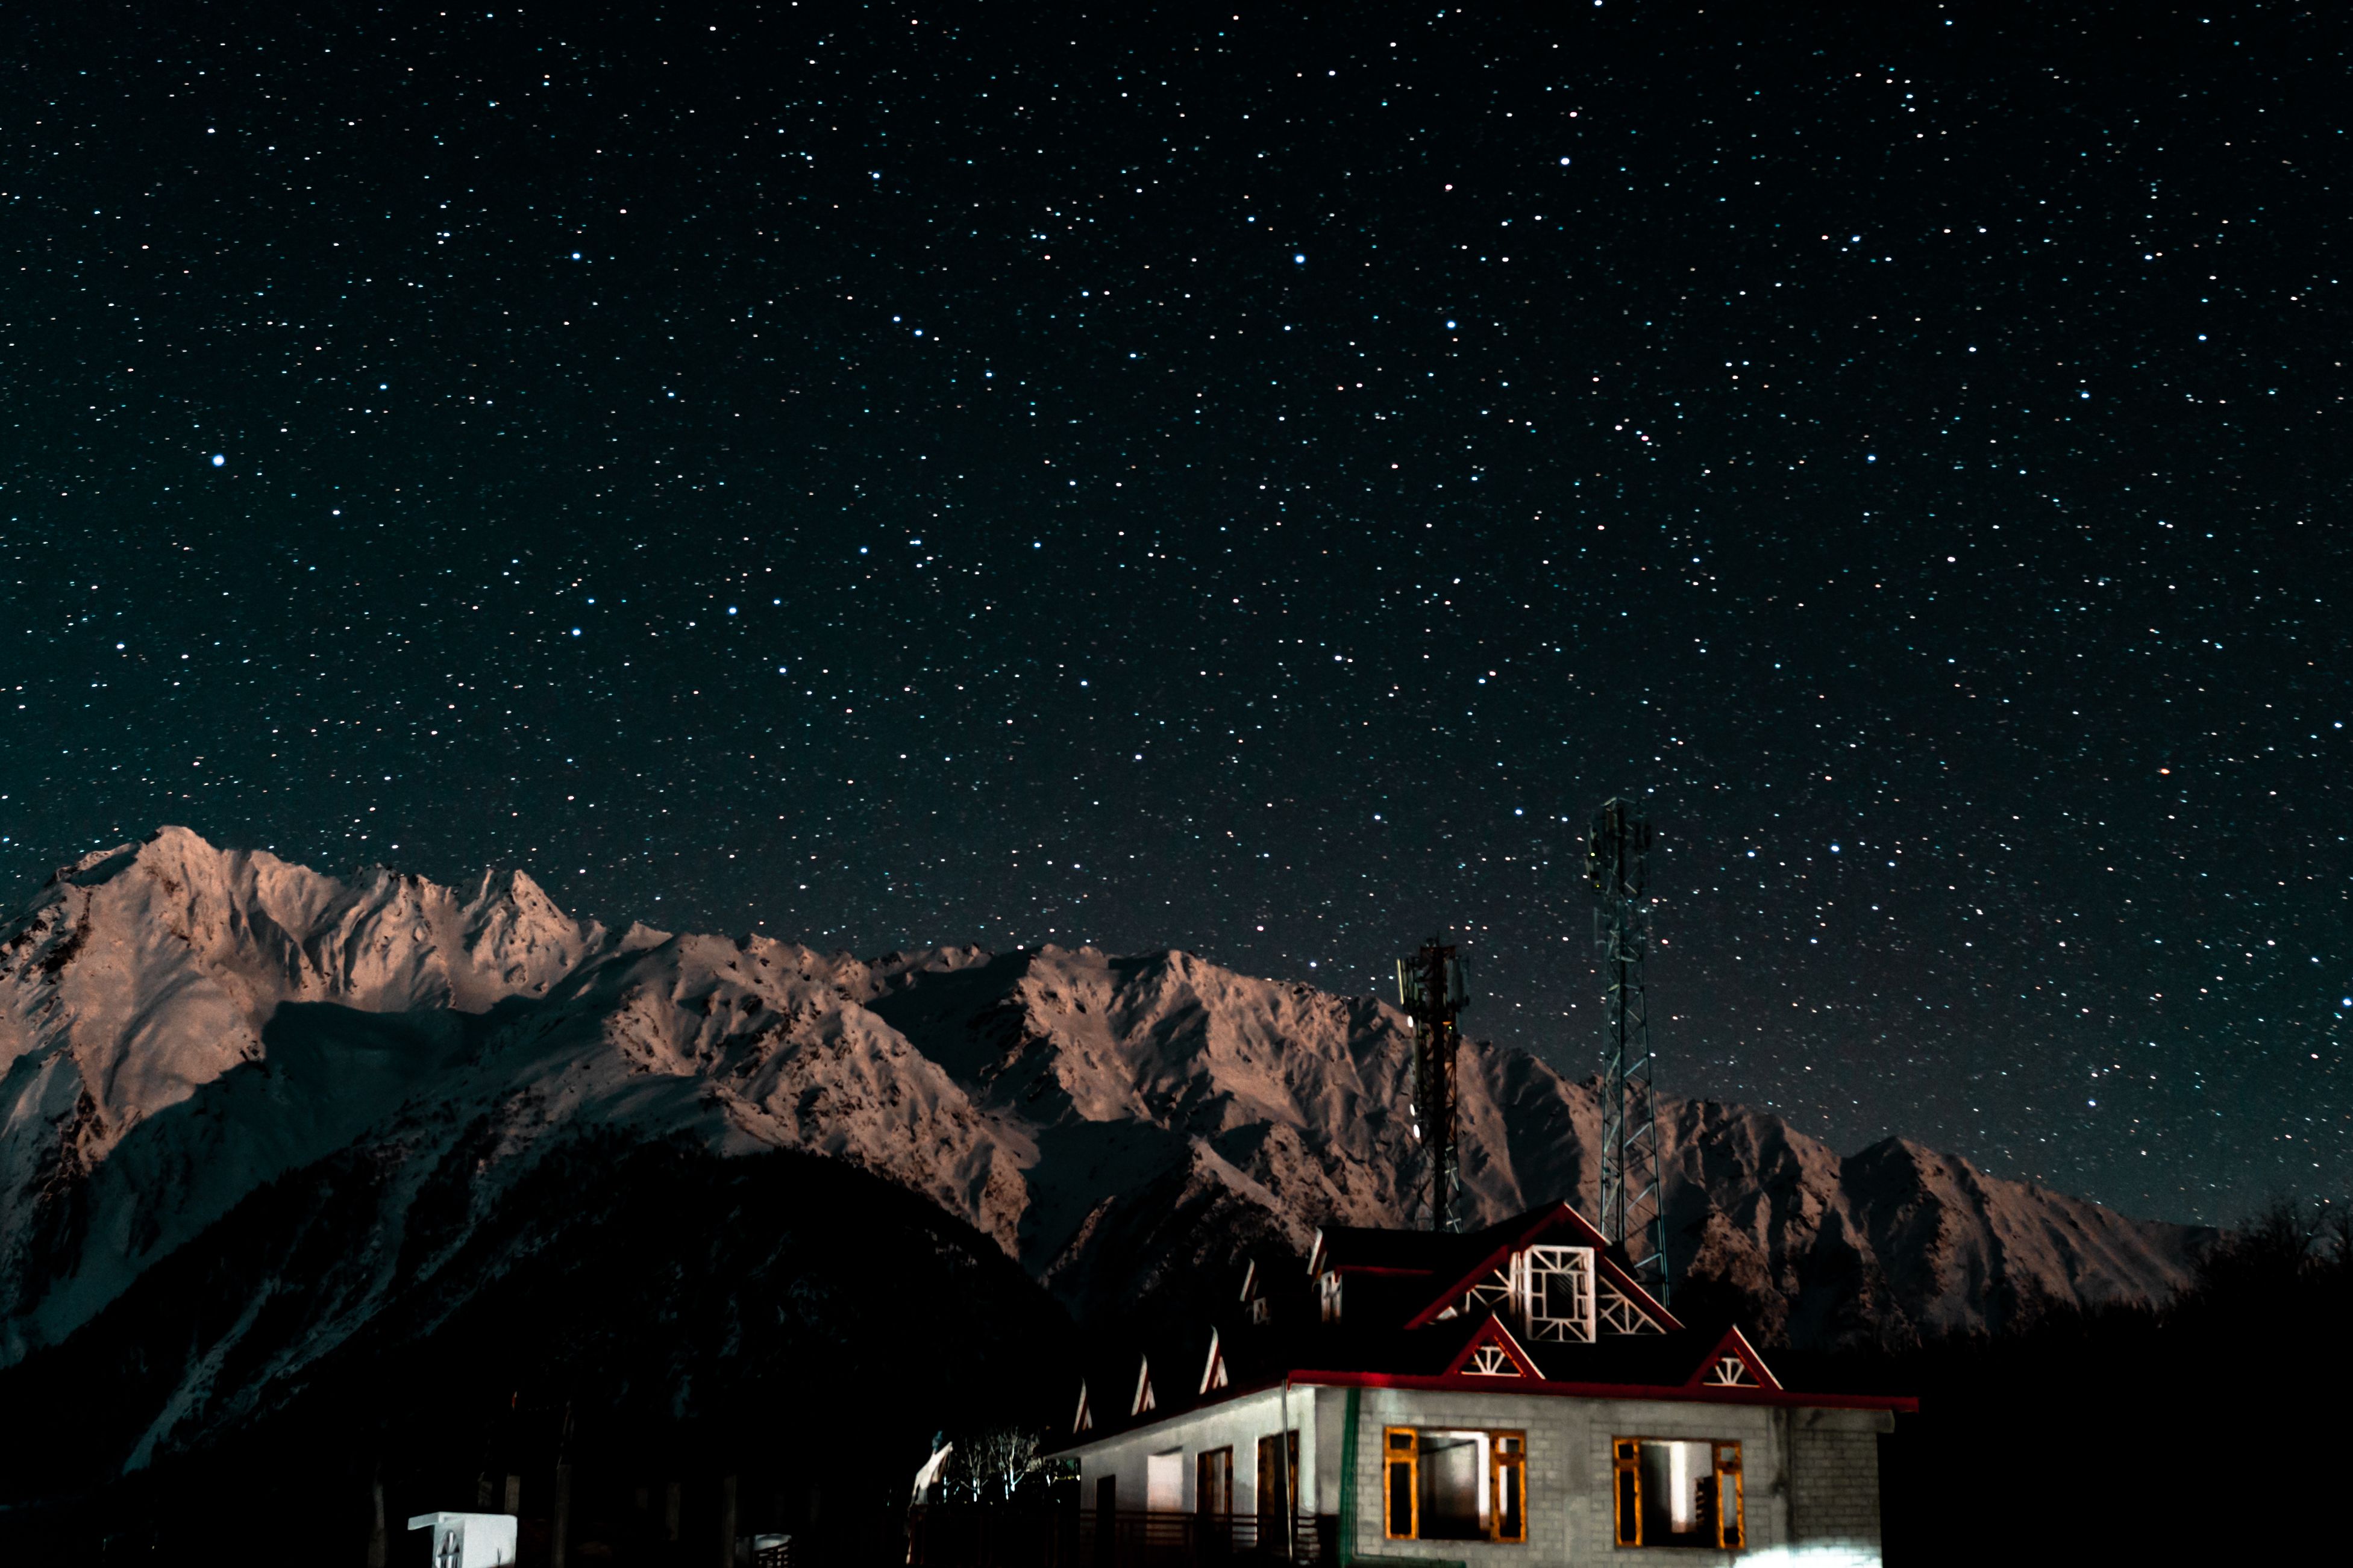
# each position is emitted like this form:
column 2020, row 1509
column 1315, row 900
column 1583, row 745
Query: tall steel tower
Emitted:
column 1617, row 865
column 1431, row 990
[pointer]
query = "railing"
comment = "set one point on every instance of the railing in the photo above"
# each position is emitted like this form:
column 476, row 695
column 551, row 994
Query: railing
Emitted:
column 1014, row 1535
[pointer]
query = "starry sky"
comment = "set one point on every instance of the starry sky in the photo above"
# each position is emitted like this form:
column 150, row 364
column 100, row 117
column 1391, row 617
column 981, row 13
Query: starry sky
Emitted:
column 1251, row 479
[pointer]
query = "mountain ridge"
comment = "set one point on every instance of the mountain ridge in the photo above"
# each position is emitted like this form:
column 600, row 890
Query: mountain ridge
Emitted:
column 181, row 1025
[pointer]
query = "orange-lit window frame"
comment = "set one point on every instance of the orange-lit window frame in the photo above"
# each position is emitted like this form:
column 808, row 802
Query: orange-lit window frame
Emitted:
column 1728, row 1484
column 1626, row 1489
column 1400, row 1450
column 1513, row 1465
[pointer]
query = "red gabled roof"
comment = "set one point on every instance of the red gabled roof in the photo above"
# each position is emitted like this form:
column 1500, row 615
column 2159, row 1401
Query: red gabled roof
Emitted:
column 1393, row 1332
column 1526, row 1230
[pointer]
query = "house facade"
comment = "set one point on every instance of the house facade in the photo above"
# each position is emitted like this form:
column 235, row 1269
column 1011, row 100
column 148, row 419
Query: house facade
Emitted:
column 1508, row 1397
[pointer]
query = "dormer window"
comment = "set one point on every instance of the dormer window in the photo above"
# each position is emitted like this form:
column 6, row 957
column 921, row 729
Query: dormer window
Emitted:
column 1144, row 1400
column 1213, row 1371
column 1328, row 1291
column 1552, row 1289
column 1254, row 1301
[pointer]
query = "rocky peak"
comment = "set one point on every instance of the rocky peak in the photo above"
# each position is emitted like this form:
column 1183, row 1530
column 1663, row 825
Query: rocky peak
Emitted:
column 180, row 1024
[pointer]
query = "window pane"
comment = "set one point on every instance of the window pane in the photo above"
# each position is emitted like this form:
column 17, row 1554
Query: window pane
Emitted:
column 1453, row 1486
column 1213, row 1485
column 1509, row 1525
column 1678, row 1493
column 1163, row 1481
column 1272, row 1501
column 1630, row 1511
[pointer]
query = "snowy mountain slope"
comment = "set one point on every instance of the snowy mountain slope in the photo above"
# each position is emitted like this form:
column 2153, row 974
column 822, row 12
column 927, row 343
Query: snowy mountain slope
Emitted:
column 146, row 976
column 180, row 1026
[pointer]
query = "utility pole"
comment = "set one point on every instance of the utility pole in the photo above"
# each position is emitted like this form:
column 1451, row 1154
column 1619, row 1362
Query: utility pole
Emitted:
column 1617, row 865
column 1431, row 990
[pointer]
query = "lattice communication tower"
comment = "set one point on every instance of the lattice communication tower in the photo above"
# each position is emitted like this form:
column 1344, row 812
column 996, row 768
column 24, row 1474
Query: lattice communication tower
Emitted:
column 1617, row 865
column 1431, row 990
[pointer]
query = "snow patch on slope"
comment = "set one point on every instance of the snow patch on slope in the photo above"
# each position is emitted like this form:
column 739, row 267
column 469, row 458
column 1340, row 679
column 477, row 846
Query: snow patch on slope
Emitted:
column 180, row 1024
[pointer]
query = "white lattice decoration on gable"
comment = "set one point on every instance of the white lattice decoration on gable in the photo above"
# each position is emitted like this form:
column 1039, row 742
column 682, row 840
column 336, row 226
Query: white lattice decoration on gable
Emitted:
column 1730, row 1371
column 1547, row 1288
column 1490, row 1360
column 1620, row 1315
column 1552, row 1289
column 1492, row 1291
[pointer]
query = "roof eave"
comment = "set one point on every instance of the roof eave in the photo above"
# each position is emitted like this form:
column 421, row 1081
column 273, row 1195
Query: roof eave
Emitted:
column 1464, row 1383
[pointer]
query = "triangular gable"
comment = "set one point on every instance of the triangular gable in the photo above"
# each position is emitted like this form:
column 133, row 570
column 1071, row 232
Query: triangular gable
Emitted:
column 1142, row 1400
column 1734, row 1364
column 1620, row 1311
column 1541, row 1222
column 1491, row 1352
column 1084, row 1421
column 1213, row 1371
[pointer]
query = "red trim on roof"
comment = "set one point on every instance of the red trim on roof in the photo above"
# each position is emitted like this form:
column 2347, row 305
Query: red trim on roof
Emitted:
column 1459, row 1383
column 1735, row 1344
column 1375, row 1268
column 1777, row 1398
column 1548, row 1217
column 1492, row 1332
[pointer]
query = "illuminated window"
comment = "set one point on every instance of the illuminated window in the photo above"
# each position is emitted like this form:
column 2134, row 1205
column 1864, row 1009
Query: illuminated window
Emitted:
column 1678, row 1493
column 1163, row 1481
column 1444, row 1484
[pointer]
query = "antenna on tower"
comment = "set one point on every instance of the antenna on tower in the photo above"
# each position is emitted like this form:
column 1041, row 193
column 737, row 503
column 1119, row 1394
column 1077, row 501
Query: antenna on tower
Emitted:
column 1617, row 865
column 1431, row 990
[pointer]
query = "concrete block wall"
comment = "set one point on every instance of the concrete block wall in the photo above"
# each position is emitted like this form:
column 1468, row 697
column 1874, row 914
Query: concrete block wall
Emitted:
column 1570, row 1514
column 1810, row 1477
column 1834, row 1484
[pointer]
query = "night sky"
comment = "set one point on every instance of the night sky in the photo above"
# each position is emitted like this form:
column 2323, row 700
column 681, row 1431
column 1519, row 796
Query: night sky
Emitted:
column 1251, row 479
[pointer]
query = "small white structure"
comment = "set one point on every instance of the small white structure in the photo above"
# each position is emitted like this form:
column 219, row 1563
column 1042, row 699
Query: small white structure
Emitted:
column 469, row 1539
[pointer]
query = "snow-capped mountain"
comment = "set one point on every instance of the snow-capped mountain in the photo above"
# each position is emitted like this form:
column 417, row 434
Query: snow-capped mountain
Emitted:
column 182, row 1027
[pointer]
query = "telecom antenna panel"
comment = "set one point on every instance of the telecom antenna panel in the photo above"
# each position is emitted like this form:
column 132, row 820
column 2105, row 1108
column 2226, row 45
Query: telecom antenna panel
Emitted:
column 1432, row 989
column 1616, row 864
